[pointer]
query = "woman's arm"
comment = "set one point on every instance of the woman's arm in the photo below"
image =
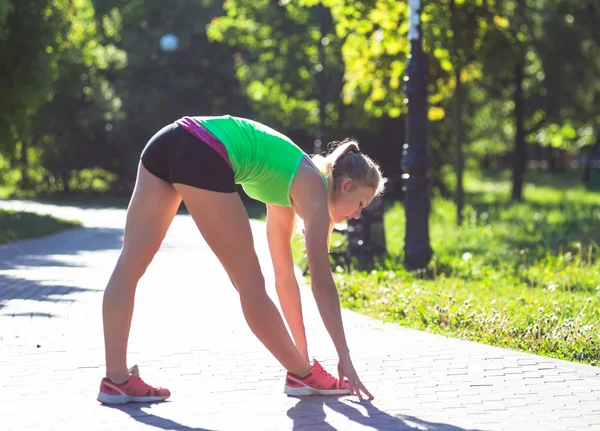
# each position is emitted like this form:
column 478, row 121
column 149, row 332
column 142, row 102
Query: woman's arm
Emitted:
column 323, row 286
column 310, row 202
column 280, row 227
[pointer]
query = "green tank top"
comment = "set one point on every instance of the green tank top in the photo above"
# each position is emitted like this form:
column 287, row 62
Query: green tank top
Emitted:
column 264, row 161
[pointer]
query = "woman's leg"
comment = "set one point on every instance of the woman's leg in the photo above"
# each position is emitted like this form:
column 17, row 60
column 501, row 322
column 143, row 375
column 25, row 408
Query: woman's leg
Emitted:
column 224, row 224
column 151, row 210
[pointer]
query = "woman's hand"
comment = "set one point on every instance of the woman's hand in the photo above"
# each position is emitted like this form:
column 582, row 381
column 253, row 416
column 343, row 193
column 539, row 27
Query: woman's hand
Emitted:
column 346, row 369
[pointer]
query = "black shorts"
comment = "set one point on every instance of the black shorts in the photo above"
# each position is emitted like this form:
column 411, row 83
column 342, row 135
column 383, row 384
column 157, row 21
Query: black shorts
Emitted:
column 176, row 156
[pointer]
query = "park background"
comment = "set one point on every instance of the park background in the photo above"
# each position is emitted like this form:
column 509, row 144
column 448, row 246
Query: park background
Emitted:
column 512, row 129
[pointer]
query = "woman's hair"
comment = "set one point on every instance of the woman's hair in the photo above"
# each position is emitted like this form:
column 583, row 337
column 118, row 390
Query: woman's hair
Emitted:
column 345, row 160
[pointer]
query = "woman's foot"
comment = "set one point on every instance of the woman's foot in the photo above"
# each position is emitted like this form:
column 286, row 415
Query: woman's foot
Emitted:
column 132, row 390
column 317, row 382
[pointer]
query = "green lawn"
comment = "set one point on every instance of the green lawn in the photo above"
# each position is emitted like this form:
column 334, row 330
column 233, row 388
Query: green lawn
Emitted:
column 18, row 225
column 517, row 275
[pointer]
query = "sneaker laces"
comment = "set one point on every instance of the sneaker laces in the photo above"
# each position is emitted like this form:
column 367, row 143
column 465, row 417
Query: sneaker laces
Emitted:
column 325, row 372
column 135, row 371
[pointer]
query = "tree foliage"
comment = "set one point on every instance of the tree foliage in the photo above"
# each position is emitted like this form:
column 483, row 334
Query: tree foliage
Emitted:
column 283, row 49
column 86, row 83
column 56, row 58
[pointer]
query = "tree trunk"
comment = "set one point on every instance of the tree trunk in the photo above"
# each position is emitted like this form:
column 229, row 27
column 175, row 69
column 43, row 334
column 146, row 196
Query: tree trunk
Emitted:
column 552, row 161
column 520, row 154
column 458, row 147
column 458, row 124
column 587, row 168
column 25, row 182
column 65, row 177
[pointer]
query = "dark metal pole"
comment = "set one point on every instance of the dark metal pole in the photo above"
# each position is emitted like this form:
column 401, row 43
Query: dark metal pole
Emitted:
column 415, row 157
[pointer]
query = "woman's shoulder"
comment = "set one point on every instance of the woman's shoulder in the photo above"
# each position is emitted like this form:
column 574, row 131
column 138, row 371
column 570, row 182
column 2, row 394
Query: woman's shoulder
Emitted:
column 309, row 184
column 310, row 170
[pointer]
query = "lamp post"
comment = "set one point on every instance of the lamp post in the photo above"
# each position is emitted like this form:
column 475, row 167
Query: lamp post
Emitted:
column 415, row 157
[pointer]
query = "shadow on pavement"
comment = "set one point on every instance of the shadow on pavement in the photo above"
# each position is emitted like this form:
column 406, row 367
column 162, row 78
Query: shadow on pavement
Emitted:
column 136, row 413
column 19, row 262
column 309, row 414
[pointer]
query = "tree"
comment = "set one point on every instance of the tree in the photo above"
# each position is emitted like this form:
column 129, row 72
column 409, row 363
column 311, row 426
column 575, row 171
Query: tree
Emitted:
column 287, row 58
column 157, row 87
column 521, row 65
column 375, row 48
column 571, row 85
column 29, row 31
column 466, row 24
column 54, row 58
column 71, row 129
column 365, row 50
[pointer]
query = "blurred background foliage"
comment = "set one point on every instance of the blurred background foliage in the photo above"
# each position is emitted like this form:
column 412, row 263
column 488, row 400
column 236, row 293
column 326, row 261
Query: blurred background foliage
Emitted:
column 512, row 83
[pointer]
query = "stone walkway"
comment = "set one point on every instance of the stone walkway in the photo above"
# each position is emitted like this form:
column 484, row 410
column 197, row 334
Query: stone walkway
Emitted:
column 221, row 377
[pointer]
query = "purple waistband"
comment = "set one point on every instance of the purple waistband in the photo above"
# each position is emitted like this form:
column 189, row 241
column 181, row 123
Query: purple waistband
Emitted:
column 205, row 136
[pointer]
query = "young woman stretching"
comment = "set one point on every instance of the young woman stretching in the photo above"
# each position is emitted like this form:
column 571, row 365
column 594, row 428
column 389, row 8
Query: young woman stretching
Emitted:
column 200, row 160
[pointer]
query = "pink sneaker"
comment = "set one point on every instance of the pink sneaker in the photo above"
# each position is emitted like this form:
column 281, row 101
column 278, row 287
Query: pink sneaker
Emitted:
column 318, row 382
column 132, row 390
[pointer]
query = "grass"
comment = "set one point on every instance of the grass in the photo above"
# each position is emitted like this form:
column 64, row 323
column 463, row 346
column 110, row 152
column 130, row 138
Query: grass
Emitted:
column 19, row 225
column 89, row 188
column 523, row 275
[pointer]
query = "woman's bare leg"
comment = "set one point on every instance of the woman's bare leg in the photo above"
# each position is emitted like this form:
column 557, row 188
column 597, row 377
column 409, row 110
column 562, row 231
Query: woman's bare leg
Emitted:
column 151, row 210
column 224, row 224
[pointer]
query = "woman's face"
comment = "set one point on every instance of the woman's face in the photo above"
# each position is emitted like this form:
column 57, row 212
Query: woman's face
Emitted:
column 348, row 200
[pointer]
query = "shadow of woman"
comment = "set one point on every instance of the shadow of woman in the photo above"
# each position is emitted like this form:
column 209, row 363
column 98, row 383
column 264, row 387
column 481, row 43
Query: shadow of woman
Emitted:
column 309, row 414
column 135, row 411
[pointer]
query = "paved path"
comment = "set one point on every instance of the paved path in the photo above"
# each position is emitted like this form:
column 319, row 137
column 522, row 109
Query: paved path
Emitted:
column 221, row 377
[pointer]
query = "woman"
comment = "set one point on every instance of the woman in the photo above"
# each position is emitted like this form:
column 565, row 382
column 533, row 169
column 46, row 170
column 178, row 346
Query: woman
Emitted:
column 200, row 160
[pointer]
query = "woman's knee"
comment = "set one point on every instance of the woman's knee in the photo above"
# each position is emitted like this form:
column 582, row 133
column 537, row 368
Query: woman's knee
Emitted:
column 132, row 265
column 250, row 283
